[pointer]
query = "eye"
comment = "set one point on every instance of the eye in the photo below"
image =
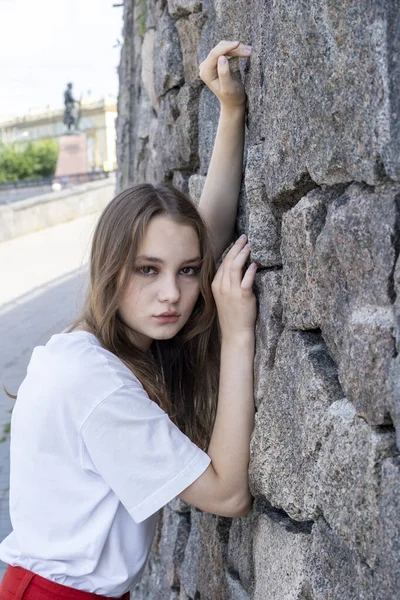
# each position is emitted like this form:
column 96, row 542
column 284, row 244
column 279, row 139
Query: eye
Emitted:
column 190, row 270
column 146, row 270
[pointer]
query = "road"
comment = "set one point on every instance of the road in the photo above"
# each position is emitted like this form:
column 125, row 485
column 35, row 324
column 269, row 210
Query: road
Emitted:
column 43, row 281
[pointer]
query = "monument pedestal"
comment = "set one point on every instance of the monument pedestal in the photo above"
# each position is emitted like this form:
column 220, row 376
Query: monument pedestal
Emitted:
column 72, row 158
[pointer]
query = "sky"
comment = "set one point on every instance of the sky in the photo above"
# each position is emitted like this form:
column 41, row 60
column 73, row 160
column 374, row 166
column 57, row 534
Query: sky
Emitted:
column 44, row 44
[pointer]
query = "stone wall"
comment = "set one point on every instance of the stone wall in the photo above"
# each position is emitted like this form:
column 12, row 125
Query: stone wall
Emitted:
column 320, row 203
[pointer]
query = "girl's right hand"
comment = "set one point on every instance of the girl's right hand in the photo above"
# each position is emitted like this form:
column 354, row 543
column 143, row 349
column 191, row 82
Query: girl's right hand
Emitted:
column 233, row 292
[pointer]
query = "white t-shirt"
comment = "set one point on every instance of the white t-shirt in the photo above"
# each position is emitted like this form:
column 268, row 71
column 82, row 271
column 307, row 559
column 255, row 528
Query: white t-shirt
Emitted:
column 92, row 461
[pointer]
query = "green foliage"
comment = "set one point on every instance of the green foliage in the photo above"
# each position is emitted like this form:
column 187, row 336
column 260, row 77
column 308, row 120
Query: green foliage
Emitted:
column 141, row 17
column 6, row 431
column 34, row 160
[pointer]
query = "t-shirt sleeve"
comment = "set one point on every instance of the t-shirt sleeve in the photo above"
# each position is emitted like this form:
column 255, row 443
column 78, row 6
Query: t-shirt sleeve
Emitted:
column 144, row 458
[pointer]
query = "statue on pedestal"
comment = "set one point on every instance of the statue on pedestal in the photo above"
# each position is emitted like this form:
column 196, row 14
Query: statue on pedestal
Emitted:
column 72, row 155
column 71, row 115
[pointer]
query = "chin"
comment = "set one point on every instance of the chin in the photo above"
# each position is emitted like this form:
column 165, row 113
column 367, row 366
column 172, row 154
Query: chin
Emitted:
column 167, row 333
column 160, row 338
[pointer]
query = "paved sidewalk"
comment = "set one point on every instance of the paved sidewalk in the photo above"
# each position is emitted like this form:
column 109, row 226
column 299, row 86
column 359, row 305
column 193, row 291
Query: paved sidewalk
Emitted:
column 43, row 281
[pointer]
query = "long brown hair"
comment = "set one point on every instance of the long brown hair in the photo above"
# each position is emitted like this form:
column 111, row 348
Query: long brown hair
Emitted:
column 180, row 374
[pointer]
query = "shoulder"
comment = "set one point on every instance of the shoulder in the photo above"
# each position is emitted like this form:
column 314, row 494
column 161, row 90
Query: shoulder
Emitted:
column 77, row 352
column 75, row 366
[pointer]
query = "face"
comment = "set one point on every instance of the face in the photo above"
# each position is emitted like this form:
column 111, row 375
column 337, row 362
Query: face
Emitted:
column 164, row 283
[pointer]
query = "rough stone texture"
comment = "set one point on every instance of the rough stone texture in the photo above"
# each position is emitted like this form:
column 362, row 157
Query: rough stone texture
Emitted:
column 394, row 394
column 338, row 276
column 240, row 567
column 162, row 575
column 168, row 68
column 192, row 557
column 292, row 425
column 280, row 560
column 182, row 8
column 196, row 184
column 268, row 329
column 319, row 202
column 396, row 283
column 261, row 223
column 147, row 73
column 333, row 571
column 176, row 129
column 211, row 573
column 328, row 106
column 301, row 227
column 189, row 36
column 348, row 478
column 387, row 583
column 127, row 99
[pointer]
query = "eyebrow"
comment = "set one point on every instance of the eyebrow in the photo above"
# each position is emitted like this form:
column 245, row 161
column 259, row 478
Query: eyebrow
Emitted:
column 154, row 259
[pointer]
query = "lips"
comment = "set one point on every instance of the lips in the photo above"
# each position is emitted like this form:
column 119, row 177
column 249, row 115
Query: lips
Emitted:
column 167, row 318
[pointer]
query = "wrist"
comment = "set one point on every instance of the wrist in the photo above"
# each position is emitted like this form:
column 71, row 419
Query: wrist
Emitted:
column 233, row 112
column 240, row 339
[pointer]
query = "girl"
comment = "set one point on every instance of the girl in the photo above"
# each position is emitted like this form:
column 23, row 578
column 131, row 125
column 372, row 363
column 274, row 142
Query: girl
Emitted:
column 114, row 415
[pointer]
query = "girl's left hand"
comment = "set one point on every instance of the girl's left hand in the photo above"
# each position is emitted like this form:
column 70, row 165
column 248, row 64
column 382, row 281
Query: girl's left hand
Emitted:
column 216, row 73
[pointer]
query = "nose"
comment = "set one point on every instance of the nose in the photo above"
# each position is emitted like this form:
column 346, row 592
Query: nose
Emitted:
column 169, row 290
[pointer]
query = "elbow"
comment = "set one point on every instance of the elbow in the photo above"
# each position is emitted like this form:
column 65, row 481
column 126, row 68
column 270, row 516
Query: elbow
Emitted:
column 240, row 506
column 245, row 508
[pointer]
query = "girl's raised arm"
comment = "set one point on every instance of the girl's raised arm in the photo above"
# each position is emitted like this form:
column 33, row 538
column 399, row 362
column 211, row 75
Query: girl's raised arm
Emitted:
column 223, row 489
column 218, row 202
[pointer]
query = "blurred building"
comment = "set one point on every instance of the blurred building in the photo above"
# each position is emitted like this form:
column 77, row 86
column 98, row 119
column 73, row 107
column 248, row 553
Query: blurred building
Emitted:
column 97, row 122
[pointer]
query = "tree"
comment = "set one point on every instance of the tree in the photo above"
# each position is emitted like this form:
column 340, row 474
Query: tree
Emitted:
column 34, row 160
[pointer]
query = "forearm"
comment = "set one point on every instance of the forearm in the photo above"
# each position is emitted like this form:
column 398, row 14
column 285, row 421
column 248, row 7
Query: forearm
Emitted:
column 229, row 448
column 219, row 199
column 223, row 487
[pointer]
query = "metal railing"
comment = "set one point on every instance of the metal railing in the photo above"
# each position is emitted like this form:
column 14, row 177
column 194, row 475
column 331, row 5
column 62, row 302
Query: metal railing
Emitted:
column 49, row 181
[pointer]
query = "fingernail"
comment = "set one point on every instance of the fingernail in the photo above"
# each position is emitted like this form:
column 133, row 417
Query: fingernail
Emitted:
column 234, row 43
column 247, row 49
column 253, row 266
column 222, row 60
column 243, row 237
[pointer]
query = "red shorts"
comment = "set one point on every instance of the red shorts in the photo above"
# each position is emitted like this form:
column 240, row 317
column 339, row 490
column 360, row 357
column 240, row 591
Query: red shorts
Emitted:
column 19, row 583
